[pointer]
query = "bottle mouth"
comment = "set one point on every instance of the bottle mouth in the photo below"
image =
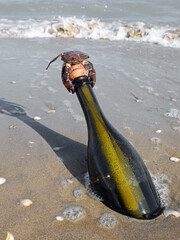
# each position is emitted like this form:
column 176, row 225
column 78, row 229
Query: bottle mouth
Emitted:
column 80, row 81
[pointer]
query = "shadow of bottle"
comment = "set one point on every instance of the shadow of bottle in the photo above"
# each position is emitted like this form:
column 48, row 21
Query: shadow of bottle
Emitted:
column 72, row 153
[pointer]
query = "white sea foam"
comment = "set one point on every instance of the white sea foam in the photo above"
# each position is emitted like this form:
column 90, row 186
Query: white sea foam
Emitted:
column 158, row 180
column 92, row 193
column 162, row 187
column 155, row 140
column 78, row 193
column 176, row 129
column 173, row 113
column 108, row 220
column 73, row 27
column 73, row 213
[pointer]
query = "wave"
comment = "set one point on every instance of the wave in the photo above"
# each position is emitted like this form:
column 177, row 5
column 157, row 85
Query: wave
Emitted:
column 73, row 27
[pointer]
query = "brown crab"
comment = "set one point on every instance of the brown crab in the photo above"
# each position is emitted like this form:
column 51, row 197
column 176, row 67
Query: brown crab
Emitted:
column 75, row 66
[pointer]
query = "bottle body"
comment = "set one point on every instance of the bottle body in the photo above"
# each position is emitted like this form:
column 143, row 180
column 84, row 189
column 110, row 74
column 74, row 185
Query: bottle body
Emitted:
column 117, row 172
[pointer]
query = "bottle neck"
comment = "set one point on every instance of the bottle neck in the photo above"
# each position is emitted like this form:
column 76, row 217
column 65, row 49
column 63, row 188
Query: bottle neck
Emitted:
column 90, row 106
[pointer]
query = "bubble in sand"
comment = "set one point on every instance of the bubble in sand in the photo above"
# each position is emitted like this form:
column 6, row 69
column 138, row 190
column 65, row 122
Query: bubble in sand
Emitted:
column 107, row 220
column 73, row 213
column 155, row 140
column 2, row 180
column 78, row 193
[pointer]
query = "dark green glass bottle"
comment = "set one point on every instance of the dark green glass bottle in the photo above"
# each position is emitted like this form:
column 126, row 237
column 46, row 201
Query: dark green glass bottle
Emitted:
column 117, row 172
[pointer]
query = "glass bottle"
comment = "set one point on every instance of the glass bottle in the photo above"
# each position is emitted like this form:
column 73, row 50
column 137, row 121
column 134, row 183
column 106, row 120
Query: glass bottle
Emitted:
column 117, row 172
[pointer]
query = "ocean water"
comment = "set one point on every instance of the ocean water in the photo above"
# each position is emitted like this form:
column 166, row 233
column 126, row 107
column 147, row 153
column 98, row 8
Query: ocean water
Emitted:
column 147, row 21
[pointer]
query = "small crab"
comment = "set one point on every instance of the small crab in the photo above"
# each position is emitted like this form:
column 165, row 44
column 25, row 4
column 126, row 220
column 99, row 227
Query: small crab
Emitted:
column 75, row 66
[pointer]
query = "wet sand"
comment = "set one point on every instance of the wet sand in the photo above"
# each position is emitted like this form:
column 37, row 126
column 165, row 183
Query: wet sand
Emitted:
column 33, row 170
column 37, row 156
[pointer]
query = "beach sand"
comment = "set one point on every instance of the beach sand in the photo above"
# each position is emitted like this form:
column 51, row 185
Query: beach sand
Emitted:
column 45, row 160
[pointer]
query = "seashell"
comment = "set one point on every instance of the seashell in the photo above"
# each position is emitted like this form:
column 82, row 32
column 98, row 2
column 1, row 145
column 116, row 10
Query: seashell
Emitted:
column 171, row 212
column 9, row 236
column 2, row 180
column 59, row 218
column 173, row 99
column 11, row 127
column 139, row 100
column 51, row 111
column 25, row 202
column 158, row 131
column 13, row 82
column 37, row 118
column 174, row 159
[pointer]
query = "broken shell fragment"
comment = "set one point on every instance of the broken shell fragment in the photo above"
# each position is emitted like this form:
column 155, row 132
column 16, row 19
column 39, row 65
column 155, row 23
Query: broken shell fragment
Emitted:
column 171, row 212
column 9, row 236
column 25, row 202
column 13, row 82
column 51, row 111
column 174, row 159
column 2, row 180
